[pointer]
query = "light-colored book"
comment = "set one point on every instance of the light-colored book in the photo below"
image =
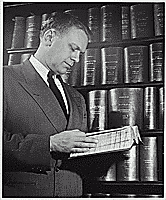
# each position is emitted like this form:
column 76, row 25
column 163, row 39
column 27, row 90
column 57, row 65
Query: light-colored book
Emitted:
column 113, row 140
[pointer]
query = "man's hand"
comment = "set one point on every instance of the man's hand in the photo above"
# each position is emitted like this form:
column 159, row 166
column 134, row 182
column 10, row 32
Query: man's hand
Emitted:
column 73, row 141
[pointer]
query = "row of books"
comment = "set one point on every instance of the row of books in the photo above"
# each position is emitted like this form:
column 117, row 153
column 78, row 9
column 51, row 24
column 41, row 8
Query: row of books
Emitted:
column 137, row 164
column 108, row 23
column 113, row 65
column 120, row 107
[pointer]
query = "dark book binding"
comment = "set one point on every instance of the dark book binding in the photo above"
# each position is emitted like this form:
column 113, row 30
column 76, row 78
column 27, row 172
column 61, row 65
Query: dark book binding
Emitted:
column 142, row 21
column 18, row 33
column 89, row 65
column 112, row 62
column 135, row 64
column 97, row 100
column 150, row 108
column 129, row 102
column 94, row 23
column 156, row 62
column 128, row 169
column 148, row 159
column 161, row 107
column 159, row 19
column 126, row 26
column 33, row 26
column 14, row 58
column 111, row 23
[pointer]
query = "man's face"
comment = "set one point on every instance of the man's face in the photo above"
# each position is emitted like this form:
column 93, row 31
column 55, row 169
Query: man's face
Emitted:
column 65, row 51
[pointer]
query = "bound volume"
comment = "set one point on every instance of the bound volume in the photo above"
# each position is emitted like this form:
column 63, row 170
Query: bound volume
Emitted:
column 135, row 64
column 127, row 101
column 150, row 111
column 18, row 33
column 148, row 159
column 93, row 23
column 110, row 23
column 97, row 101
column 113, row 140
column 159, row 19
column 112, row 62
column 126, row 28
column 156, row 62
column 89, row 67
column 141, row 21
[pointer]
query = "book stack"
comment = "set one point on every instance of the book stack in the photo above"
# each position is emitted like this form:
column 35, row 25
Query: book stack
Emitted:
column 93, row 23
column 33, row 26
column 112, row 61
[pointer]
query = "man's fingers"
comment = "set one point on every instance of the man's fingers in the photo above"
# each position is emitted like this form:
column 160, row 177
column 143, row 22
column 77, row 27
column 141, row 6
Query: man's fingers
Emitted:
column 79, row 150
column 85, row 145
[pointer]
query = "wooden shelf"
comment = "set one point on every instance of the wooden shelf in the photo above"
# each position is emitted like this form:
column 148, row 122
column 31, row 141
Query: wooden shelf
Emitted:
column 127, row 187
column 126, row 85
column 151, row 132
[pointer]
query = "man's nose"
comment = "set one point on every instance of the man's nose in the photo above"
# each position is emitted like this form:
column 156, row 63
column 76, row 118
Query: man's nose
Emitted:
column 75, row 56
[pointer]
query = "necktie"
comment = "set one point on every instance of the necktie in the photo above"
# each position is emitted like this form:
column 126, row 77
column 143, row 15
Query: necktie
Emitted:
column 56, row 91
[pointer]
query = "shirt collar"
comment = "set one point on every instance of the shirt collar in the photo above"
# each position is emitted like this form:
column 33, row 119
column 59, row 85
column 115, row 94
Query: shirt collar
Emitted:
column 40, row 68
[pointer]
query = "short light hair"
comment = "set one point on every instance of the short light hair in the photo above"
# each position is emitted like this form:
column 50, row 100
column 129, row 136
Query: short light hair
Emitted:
column 62, row 23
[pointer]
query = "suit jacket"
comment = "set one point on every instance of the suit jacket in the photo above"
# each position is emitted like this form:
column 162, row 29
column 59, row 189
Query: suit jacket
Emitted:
column 31, row 114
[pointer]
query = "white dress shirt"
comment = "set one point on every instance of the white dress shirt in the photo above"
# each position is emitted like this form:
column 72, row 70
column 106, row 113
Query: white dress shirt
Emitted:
column 43, row 71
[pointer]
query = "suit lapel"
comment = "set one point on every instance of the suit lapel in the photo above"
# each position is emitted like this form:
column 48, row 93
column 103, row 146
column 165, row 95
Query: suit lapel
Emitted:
column 44, row 97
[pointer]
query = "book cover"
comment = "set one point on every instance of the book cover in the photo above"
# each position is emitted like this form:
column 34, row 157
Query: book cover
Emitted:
column 128, row 169
column 25, row 56
column 112, row 65
column 129, row 102
column 150, row 107
column 142, row 21
column 111, row 23
column 14, row 58
column 18, row 32
column 148, row 159
column 97, row 111
column 161, row 107
column 159, row 19
column 126, row 26
column 94, row 23
column 33, row 26
column 136, row 64
column 89, row 66
column 156, row 62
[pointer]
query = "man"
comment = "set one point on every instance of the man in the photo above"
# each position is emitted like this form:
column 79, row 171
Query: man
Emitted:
column 39, row 132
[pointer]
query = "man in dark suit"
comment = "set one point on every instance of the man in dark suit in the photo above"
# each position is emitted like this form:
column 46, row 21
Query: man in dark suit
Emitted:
column 39, row 132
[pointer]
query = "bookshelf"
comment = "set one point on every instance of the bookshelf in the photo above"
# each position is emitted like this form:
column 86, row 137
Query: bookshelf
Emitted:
column 94, row 187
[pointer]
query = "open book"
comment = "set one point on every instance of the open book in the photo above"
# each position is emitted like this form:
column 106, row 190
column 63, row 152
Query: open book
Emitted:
column 113, row 140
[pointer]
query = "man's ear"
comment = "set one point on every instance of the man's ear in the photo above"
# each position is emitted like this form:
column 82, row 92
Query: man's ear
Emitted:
column 49, row 35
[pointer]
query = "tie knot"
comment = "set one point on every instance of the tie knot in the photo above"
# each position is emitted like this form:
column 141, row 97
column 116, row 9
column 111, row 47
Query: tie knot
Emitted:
column 51, row 74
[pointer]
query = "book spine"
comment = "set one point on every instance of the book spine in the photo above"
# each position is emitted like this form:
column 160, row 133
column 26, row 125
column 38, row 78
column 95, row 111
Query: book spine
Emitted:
column 159, row 19
column 33, row 26
column 150, row 100
column 97, row 110
column 135, row 64
column 141, row 21
column 148, row 159
column 89, row 66
column 127, row 169
column 14, row 58
column 161, row 108
column 18, row 33
column 127, row 101
column 93, row 23
column 110, row 175
column 156, row 62
column 160, row 157
column 112, row 59
column 126, row 28
column 44, row 17
column 110, row 23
